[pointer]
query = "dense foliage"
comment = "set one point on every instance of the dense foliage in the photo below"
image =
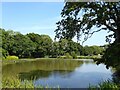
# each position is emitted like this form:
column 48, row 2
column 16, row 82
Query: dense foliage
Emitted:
column 112, row 56
column 86, row 18
column 34, row 45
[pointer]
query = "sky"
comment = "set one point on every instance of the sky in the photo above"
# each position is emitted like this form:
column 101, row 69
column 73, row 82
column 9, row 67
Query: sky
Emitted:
column 40, row 18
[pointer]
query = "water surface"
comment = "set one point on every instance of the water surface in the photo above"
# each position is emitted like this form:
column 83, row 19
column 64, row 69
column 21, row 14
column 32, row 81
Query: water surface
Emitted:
column 62, row 73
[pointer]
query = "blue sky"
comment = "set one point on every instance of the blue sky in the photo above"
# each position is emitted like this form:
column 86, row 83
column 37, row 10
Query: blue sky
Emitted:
column 38, row 17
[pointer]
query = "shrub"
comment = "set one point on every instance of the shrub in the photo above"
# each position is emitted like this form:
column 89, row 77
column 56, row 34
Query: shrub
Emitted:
column 12, row 58
column 68, row 56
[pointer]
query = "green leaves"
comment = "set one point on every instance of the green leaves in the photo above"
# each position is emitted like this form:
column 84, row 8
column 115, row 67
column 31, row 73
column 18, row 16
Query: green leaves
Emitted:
column 111, row 56
column 101, row 15
column 96, row 14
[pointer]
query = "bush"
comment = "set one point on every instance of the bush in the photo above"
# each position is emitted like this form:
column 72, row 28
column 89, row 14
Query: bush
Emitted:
column 68, row 56
column 12, row 58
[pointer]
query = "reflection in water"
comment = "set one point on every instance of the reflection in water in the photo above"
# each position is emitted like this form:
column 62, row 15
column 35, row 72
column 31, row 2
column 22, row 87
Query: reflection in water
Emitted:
column 45, row 65
column 34, row 75
column 63, row 73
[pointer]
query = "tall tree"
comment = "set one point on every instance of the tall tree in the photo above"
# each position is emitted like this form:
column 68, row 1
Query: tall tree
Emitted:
column 79, row 18
column 23, row 46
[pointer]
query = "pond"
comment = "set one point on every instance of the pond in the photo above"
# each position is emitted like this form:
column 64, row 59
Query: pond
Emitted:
column 59, row 73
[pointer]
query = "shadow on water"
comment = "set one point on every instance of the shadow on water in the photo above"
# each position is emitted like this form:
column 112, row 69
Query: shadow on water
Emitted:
column 34, row 75
column 39, row 67
column 37, row 74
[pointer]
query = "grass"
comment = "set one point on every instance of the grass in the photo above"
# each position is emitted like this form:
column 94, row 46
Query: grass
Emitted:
column 5, row 62
column 89, row 57
column 16, row 83
column 80, row 57
column 20, row 84
column 106, row 85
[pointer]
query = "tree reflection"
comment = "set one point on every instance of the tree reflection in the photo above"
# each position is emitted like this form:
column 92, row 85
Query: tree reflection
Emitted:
column 37, row 74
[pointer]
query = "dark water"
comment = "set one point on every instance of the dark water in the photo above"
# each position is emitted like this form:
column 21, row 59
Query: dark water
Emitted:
column 59, row 73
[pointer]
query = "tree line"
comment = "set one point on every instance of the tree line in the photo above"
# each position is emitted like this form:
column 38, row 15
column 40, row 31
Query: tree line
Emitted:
column 33, row 45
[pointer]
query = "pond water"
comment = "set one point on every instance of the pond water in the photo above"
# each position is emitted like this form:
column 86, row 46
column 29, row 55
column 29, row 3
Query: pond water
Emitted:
column 59, row 73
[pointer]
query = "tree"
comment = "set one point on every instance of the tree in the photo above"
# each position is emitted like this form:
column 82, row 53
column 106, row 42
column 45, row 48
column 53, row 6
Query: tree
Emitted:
column 79, row 18
column 43, row 44
column 46, row 43
column 3, row 53
column 72, row 46
column 88, row 50
column 96, row 50
column 17, row 44
column 112, row 56
column 103, row 15
column 63, row 45
column 26, row 46
column 55, row 49
column 22, row 47
column 7, row 41
column 36, row 39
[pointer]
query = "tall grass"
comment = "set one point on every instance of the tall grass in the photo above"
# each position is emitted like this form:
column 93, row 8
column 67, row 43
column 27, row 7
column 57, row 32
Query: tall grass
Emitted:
column 106, row 85
column 16, row 83
column 23, row 84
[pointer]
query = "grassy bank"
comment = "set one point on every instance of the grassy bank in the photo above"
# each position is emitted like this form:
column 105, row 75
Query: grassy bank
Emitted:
column 14, row 83
column 89, row 57
column 17, row 83
column 5, row 62
column 106, row 85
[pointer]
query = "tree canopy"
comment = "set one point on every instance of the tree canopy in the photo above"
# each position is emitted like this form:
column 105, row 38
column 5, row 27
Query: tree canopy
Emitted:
column 79, row 18
column 34, row 45
column 86, row 18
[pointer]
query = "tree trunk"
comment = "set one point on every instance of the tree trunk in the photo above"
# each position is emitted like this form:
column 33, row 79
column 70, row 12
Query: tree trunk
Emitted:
column 117, row 36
